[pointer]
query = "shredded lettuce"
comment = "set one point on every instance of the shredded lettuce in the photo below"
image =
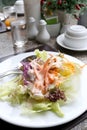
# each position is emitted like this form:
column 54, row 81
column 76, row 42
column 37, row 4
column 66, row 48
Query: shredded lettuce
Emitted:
column 17, row 94
column 43, row 107
column 70, row 87
column 56, row 108
column 41, row 54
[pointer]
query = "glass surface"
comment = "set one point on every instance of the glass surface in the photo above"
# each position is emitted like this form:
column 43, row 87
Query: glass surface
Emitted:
column 18, row 29
column 9, row 14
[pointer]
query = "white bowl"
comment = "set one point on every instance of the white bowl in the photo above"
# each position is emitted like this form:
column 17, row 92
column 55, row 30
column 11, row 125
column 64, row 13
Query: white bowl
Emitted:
column 77, row 31
column 54, row 29
column 76, row 37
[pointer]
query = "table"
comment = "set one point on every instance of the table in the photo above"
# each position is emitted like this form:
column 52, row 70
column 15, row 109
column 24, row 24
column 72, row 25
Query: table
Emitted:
column 7, row 50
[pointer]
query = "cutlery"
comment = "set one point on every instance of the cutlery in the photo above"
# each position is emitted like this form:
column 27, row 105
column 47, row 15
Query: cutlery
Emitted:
column 17, row 70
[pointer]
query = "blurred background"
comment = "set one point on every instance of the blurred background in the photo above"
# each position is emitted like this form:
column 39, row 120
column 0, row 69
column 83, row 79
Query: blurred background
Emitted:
column 6, row 2
column 82, row 20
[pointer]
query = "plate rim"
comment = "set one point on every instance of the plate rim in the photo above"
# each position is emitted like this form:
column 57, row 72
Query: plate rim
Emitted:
column 25, row 55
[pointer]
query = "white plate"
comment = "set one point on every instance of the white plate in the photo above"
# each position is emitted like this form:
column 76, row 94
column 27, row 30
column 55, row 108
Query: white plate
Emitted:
column 60, row 41
column 48, row 119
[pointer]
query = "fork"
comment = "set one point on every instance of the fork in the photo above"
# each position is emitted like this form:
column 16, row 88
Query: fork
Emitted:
column 9, row 72
column 17, row 70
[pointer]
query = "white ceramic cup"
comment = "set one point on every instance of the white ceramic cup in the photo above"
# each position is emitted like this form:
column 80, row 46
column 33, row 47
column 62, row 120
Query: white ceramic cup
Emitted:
column 76, row 37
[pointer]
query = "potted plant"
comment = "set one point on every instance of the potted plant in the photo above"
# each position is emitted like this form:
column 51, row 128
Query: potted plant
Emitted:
column 73, row 7
column 68, row 11
column 53, row 24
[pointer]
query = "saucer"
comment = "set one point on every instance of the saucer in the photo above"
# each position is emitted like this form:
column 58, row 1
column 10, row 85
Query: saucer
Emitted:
column 60, row 42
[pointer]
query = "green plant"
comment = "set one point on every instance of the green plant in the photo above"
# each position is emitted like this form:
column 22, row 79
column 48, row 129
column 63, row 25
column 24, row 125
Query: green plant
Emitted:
column 69, row 6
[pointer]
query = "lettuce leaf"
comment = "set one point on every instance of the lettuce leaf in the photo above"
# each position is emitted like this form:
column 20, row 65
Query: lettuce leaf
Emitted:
column 41, row 54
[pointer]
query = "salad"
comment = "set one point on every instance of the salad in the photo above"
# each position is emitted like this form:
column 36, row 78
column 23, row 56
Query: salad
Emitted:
column 47, row 83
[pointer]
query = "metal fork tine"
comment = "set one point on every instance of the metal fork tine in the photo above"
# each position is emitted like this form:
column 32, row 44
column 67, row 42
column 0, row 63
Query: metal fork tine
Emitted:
column 9, row 72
